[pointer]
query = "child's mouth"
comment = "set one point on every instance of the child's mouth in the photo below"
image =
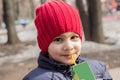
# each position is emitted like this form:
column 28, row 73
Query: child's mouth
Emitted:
column 69, row 56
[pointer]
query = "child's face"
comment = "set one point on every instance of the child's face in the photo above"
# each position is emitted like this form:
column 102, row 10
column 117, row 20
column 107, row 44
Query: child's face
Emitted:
column 63, row 46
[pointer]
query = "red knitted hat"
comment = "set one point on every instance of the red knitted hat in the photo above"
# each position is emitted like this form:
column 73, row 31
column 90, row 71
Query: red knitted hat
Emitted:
column 54, row 18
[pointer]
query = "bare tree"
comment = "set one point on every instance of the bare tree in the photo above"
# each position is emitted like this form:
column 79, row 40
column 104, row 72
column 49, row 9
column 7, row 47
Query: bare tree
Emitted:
column 95, row 18
column 84, row 17
column 17, row 5
column 32, row 8
column 8, row 9
column 0, row 20
column 42, row 1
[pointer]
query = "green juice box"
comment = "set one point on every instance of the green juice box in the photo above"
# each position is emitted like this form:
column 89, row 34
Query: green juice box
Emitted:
column 82, row 71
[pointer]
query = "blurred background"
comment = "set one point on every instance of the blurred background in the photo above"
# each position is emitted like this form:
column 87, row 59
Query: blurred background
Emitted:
column 18, row 46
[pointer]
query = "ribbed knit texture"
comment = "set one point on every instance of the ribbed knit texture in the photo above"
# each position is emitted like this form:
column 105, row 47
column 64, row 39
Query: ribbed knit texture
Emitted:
column 54, row 18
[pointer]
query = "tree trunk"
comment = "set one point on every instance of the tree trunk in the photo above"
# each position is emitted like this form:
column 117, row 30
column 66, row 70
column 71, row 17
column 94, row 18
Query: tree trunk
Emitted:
column 43, row 1
column 84, row 18
column 0, row 23
column 16, row 3
column 8, row 9
column 95, row 18
column 32, row 8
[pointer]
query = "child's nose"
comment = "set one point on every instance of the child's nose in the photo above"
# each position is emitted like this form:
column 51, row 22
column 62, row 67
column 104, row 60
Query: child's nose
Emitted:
column 68, row 46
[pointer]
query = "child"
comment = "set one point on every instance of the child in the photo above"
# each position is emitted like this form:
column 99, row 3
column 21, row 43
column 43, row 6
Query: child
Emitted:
column 59, row 36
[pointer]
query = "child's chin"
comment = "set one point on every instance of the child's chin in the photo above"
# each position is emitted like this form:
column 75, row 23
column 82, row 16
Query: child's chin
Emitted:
column 68, row 63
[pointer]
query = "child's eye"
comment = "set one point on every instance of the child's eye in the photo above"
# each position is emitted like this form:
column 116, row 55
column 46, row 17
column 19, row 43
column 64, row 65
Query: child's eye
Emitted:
column 57, row 39
column 75, row 37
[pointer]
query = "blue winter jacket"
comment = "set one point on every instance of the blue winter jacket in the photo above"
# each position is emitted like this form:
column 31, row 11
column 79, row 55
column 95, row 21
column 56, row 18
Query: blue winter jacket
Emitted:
column 51, row 70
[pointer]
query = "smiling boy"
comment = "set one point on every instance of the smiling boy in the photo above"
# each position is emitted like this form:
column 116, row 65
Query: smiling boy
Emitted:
column 59, row 36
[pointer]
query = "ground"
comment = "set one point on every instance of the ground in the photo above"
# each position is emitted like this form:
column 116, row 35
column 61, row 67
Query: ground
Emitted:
column 15, row 71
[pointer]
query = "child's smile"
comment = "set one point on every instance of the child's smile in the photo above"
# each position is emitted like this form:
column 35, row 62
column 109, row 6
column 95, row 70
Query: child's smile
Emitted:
column 68, row 56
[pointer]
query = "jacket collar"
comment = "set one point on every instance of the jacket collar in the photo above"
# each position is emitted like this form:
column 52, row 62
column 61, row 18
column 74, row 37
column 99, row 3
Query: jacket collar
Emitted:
column 45, row 62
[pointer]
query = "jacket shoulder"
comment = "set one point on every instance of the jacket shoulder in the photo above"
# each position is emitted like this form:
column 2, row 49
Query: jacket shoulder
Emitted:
column 37, row 74
column 95, row 64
